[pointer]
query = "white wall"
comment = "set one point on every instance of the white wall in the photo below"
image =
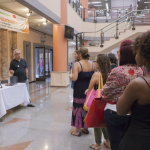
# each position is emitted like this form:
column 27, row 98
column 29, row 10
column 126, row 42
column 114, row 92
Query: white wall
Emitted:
column 71, row 50
column 53, row 5
column 73, row 19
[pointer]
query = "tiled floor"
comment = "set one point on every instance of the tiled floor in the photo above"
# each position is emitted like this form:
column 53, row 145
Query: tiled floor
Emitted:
column 45, row 127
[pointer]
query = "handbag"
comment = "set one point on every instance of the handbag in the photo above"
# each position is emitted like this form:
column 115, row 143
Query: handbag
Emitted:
column 93, row 94
column 95, row 116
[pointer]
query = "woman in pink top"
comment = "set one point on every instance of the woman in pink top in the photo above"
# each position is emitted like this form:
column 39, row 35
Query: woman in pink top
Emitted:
column 41, row 66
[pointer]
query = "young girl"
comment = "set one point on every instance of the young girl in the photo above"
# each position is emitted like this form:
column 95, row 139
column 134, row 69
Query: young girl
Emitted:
column 102, row 64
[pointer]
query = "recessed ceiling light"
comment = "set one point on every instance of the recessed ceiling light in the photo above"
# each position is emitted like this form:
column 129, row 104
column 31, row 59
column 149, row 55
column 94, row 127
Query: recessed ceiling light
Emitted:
column 107, row 7
column 94, row 2
column 28, row 14
column 45, row 22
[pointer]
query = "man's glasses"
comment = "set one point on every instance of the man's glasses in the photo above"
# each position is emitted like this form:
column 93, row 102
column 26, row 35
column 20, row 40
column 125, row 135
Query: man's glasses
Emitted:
column 17, row 53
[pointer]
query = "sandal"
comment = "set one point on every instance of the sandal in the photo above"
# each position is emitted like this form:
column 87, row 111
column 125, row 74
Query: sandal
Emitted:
column 96, row 148
column 78, row 134
column 85, row 131
column 107, row 145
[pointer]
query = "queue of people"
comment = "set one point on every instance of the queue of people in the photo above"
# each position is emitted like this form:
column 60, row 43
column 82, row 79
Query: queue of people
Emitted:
column 125, row 91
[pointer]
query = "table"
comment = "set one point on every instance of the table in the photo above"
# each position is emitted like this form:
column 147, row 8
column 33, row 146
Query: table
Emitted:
column 12, row 96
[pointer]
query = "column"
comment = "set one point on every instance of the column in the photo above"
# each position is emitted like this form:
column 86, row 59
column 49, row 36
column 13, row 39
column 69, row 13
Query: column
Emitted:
column 60, row 75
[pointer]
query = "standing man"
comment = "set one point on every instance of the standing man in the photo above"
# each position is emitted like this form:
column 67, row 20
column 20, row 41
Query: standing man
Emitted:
column 19, row 68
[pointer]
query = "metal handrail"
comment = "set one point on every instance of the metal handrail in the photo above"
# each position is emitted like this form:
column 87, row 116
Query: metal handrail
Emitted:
column 113, row 21
column 115, row 25
column 131, row 15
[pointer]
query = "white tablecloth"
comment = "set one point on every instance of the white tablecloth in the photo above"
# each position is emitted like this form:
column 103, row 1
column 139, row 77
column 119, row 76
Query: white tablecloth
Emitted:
column 12, row 96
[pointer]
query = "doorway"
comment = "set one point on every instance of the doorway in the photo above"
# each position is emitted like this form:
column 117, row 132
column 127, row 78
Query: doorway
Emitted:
column 40, row 63
column 44, row 63
column 48, row 62
column 27, row 57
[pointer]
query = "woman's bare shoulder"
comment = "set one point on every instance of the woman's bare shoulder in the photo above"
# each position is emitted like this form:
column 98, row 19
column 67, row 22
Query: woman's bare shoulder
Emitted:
column 96, row 74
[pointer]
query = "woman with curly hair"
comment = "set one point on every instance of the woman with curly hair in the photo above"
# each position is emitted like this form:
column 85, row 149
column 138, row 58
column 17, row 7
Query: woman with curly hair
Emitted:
column 103, row 65
column 136, row 98
column 116, row 83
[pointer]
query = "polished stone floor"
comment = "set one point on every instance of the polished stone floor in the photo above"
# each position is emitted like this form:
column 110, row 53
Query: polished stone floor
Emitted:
column 45, row 127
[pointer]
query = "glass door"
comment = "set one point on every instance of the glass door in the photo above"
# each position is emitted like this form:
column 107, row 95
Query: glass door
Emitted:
column 48, row 62
column 47, row 74
column 40, row 64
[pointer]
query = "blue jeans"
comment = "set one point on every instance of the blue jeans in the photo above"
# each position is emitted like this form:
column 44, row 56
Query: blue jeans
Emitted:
column 115, row 125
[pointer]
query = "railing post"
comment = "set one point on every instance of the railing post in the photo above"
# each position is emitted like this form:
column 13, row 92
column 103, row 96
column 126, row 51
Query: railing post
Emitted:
column 76, row 41
column 95, row 19
column 76, row 6
column 83, row 40
column 106, row 16
column 126, row 13
column 117, row 14
column 133, row 28
column 102, row 40
column 83, row 14
column 116, row 37
column 79, row 9
column 73, row 3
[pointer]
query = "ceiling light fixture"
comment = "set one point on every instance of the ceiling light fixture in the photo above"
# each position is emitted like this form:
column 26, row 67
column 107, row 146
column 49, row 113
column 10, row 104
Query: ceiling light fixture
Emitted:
column 73, row 43
column 29, row 13
column 146, row 2
column 107, row 7
column 94, row 2
column 45, row 22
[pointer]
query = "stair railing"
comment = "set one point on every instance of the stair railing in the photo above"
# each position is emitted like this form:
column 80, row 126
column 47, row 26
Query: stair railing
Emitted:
column 129, row 17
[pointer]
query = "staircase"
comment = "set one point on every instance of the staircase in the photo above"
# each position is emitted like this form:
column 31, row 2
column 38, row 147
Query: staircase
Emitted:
column 110, row 37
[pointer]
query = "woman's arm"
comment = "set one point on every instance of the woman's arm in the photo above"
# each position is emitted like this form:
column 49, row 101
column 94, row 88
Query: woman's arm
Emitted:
column 127, row 99
column 74, row 75
column 71, row 71
column 92, row 82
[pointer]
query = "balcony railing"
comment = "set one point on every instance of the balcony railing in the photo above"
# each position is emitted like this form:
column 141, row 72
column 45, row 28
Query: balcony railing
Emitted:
column 94, row 15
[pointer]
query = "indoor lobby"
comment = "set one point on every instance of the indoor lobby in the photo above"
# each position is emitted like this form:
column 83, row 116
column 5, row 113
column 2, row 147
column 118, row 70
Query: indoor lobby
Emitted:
column 68, row 70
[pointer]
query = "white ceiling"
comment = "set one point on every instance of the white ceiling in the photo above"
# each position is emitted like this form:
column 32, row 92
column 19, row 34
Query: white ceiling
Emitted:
column 34, row 19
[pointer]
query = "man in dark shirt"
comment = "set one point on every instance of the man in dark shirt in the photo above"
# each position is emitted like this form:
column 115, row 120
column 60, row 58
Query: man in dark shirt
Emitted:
column 19, row 68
